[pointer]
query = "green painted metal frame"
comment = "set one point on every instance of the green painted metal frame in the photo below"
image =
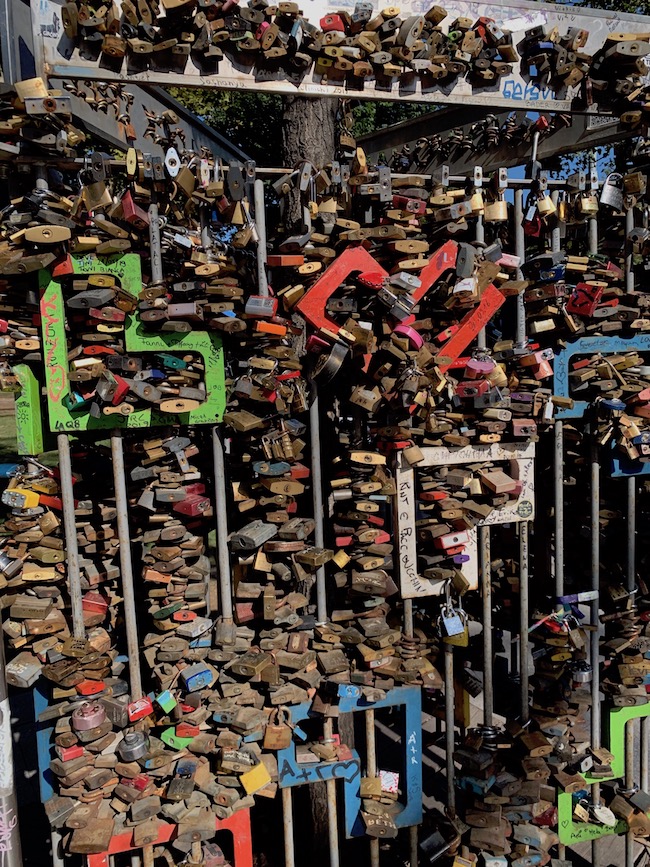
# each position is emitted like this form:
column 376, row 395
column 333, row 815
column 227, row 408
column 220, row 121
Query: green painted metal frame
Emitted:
column 126, row 269
column 571, row 832
column 29, row 420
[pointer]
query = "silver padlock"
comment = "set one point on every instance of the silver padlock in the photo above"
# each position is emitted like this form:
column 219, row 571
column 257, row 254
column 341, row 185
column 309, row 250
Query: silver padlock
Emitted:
column 134, row 745
column 612, row 191
column 252, row 536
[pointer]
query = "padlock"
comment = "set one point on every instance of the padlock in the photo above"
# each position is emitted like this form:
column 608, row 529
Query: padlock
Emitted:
column 612, row 191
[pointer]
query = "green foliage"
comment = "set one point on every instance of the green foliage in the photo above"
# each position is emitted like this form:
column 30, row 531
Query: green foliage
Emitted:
column 252, row 121
column 635, row 7
column 370, row 116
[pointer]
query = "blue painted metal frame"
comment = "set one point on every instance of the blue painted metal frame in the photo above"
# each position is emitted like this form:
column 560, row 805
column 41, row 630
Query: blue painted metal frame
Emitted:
column 587, row 346
column 622, row 466
column 352, row 701
column 44, row 732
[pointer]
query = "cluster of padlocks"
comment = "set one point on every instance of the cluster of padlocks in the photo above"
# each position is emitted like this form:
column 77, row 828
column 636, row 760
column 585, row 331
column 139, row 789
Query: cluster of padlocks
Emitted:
column 352, row 402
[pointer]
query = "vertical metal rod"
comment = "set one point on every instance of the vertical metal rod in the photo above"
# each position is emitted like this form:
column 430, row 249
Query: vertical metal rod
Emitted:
column 480, row 238
column 631, row 534
column 486, row 588
column 595, row 635
column 287, row 817
column 558, row 483
column 408, row 618
column 371, row 771
column 555, row 231
column 317, row 494
column 449, row 727
column 523, row 618
column 155, row 250
column 520, row 250
column 631, row 728
column 126, row 565
column 57, row 858
column 332, row 817
column 413, row 829
column 629, row 272
column 413, row 846
column 593, row 221
column 69, row 524
column 221, row 507
column 645, row 754
column 12, row 854
column 260, row 225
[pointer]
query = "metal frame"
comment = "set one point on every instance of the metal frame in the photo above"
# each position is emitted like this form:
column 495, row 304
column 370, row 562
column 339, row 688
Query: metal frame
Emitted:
column 522, row 509
column 127, row 269
column 59, row 58
column 293, row 774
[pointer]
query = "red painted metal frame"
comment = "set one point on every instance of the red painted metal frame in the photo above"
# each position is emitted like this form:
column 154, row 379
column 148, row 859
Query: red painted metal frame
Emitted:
column 239, row 825
column 470, row 326
column 312, row 304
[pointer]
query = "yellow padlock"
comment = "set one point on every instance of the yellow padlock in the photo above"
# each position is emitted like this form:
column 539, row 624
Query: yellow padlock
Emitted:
column 255, row 779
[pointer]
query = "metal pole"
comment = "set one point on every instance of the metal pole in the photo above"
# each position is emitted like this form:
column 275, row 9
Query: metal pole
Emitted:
column 287, row 816
column 595, row 622
column 486, row 586
column 317, row 494
column 8, row 802
column 408, row 618
column 69, row 524
column 413, row 829
column 413, row 843
column 645, row 754
column 126, row 565
column 221, row 507
column 57, row 858
column 371, row 771
column 480, row 238
column 629, row 272
column 593, row 221
column 558, row 482
column 520, row 250
column 449, row 727
column 631, row 728
column 523, row 618
column 155, row 250
column 260, row 225
column 40, row 180
column 332, row 818
column 555, row 231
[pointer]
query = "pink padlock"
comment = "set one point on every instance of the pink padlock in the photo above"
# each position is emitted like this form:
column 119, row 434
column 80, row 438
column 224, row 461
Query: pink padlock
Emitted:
column 414, row 337
column 477, row 369
column 90, row 715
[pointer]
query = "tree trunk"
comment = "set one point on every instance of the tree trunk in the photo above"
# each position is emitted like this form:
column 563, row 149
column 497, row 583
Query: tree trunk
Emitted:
column 309, row 133
column 308, row 130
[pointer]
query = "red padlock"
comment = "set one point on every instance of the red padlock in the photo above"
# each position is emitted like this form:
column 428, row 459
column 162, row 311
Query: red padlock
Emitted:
column 139, row 709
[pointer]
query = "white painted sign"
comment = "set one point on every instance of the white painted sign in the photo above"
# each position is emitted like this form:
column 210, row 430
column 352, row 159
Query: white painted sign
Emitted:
column 522, row 458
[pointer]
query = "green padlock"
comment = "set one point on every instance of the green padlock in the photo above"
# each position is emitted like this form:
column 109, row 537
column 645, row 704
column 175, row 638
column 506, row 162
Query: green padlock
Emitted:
column 170, row 738
column 166, row 701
